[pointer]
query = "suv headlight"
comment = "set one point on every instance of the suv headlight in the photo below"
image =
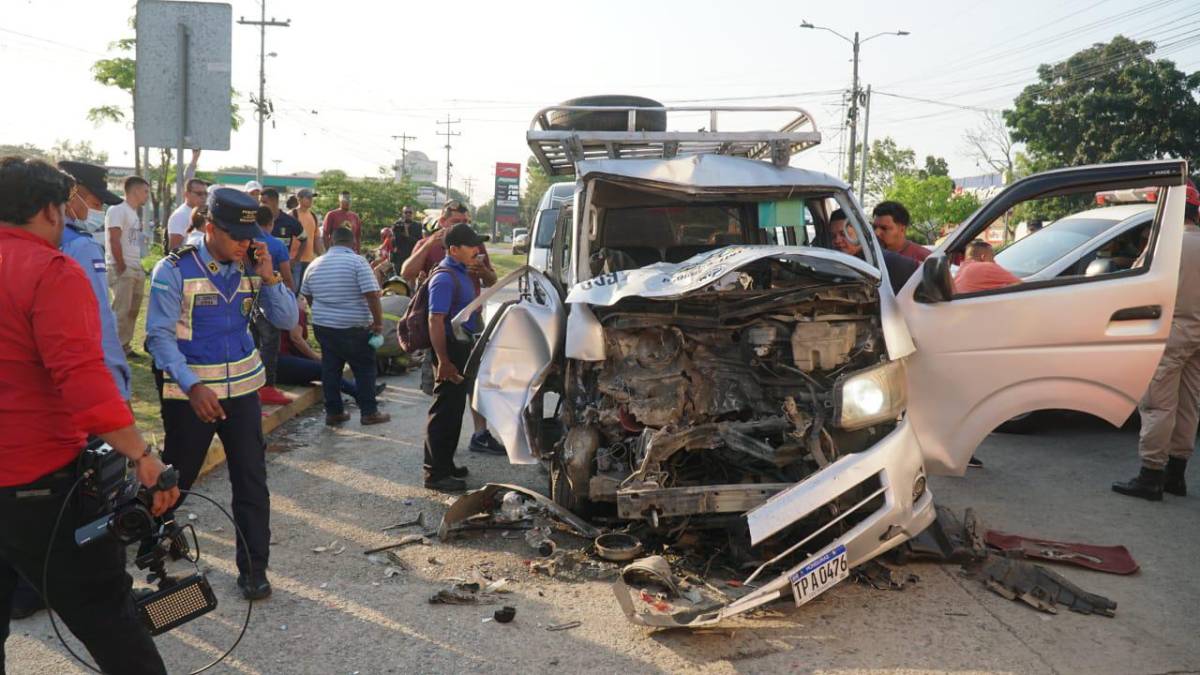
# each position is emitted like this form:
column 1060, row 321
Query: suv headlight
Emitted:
column 871, row 396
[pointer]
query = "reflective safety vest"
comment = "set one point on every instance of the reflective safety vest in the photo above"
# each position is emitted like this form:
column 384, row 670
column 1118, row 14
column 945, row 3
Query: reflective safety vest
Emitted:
column 213, row 330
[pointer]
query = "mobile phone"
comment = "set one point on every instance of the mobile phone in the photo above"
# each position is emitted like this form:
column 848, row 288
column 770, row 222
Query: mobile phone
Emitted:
column 252, row 254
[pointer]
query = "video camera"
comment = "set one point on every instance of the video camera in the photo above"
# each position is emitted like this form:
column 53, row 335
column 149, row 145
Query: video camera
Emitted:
column 108, row 488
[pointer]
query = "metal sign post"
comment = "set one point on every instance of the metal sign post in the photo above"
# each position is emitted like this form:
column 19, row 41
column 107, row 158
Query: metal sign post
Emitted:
column 183, row 110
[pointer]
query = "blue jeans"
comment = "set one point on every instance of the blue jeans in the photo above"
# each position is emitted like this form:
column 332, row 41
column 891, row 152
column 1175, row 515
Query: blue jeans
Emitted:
column 341, row 346
column 299, row 370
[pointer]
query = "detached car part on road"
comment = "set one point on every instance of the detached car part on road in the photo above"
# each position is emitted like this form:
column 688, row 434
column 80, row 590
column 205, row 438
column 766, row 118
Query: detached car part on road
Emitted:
column 717, row 369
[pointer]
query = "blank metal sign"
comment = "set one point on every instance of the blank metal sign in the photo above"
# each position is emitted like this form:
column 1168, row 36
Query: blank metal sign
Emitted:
column 157, row 105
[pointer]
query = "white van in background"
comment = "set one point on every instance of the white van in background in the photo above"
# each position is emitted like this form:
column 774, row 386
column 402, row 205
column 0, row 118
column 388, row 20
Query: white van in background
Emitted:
column 543, row 224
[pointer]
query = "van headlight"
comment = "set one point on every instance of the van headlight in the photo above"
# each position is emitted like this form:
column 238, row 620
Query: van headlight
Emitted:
column 871, row 396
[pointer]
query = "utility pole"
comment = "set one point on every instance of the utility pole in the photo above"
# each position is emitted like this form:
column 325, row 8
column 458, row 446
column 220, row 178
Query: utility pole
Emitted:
column 448, row 134
column 862, row 184
column 855, row 94
column 470, row 189
column 260, row 105
column 404, row 139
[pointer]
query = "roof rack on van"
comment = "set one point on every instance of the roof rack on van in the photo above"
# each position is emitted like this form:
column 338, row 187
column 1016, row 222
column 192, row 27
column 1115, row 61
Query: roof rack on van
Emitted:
column 558, row 147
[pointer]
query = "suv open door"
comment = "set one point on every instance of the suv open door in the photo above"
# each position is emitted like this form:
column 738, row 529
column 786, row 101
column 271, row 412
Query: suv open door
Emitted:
column 1080, row 343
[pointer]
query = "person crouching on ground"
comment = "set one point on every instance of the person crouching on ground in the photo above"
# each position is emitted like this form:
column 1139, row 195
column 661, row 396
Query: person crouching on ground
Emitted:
column 346, row 312
column 450, row 290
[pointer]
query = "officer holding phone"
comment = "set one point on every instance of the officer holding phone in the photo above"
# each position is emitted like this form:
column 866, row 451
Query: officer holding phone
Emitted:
column 202, row 299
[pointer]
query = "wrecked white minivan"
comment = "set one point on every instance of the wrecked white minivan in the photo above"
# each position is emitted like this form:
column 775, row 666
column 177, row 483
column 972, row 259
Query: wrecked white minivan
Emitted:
column 701, row 361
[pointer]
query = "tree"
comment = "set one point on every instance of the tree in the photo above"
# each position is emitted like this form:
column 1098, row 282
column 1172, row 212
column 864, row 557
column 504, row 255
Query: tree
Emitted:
column 24, row 150
column 886, row 162
column 486, row 213
column 80, row 152
column 378, row 202
column 931, row 203
column 992, row 147
column 1108, row 103
column 934, row 166
column 536, row 184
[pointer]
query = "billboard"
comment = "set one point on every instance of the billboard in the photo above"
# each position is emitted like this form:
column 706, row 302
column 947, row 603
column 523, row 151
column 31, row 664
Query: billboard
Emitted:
column 508, row 192
column 183, row 74
column 418, row 168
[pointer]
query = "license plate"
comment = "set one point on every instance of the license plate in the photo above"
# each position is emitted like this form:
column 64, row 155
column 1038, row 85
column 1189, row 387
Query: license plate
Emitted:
column 820, row 575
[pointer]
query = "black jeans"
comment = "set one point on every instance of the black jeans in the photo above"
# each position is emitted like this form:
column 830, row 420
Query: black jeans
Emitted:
column 341, row 346
column 89, row 587
column 444, row 424
column 186, row 446
column 300, row 370
column 266, row 338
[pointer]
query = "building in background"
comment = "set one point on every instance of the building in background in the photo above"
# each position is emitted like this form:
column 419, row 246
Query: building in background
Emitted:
column 417, row 168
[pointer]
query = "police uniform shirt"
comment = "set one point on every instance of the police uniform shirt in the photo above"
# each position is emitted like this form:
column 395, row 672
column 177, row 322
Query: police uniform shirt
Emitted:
column 83, row 249
column 166, row 293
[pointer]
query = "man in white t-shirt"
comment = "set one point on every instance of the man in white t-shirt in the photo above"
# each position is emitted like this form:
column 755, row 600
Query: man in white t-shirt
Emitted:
column 195, row 194
column 124, row 257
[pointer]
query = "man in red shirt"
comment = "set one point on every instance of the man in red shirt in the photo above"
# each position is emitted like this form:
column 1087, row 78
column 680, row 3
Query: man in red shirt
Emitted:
column 342, row 216
column 980, row 271
column 891, row 226
column 55, row 391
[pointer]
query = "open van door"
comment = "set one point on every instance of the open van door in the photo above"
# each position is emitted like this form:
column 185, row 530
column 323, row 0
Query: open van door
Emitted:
column 513, row 357
column 1087, row 343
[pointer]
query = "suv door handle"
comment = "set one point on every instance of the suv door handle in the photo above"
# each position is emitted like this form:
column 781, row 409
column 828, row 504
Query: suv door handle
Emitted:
column 1138, row 313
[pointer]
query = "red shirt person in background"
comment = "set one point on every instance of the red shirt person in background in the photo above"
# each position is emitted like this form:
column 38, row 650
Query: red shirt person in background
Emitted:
column 342, row 216
column 891, row 221
column 55, row 391
column 430, row 251
column 980, row 271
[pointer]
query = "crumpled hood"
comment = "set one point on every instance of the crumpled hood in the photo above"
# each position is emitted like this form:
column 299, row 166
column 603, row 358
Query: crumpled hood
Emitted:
column 669, row 280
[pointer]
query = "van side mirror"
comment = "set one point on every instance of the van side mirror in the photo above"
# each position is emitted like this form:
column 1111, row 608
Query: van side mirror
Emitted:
column 936, row 283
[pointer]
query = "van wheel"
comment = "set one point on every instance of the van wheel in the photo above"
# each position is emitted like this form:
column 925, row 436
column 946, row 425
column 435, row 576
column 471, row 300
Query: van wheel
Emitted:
column 565, row 120
column 562, row 493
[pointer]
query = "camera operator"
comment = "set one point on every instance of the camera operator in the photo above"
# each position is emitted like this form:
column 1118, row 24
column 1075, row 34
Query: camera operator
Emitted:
column 54, row 391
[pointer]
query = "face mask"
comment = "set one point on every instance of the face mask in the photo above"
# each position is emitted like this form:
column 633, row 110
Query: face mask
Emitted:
column 95, row 220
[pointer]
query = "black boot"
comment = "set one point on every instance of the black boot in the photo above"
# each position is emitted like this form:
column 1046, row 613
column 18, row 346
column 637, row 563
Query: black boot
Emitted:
column 1173, row 482
column 1148, row 484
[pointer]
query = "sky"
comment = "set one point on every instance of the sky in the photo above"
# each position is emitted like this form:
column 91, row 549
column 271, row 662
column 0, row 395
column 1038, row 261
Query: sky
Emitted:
column 350, row 75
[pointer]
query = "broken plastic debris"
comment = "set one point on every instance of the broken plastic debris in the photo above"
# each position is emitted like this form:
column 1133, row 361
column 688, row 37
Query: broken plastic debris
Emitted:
column 564, row 626
column 389, row 572
column 460, row 594
column 327, row 547
column 498, row 586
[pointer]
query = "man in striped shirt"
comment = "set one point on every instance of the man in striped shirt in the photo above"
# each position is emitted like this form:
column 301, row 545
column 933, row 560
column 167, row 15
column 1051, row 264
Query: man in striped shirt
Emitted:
column 344, row 295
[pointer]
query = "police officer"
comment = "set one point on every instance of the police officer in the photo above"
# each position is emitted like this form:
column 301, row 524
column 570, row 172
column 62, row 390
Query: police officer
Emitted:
column 208, row 370
column 91, row 191
column 1170, row 409
column 54, row 392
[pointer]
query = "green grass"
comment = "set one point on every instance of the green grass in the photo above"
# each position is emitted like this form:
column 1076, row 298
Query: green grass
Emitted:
column 504, row 263
column 144, row 400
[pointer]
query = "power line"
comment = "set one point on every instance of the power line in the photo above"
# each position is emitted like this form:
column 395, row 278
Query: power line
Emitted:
column 449, row 134
column 262, row 107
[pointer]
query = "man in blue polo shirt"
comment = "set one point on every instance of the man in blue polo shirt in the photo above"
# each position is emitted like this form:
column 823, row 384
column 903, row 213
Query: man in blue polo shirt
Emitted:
column 265, row 333
column 450, row 290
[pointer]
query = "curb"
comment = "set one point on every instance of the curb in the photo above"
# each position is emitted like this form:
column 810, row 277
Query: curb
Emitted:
column 275, row 417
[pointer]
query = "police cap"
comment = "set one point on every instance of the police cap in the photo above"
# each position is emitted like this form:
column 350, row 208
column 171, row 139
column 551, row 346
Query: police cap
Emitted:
column 233, row 211
column 92, row 177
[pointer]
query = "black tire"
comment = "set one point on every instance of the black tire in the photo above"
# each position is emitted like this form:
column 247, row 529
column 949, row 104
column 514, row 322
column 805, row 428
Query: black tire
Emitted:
column 563, row 495
column 582, row 120
column 1022, row 424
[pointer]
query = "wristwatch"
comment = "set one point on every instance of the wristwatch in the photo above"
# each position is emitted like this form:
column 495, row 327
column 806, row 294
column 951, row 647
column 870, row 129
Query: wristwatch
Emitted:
column 148, row 452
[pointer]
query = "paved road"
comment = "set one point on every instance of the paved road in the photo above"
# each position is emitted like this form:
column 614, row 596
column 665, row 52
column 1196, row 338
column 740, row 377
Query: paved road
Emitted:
column 337, row 612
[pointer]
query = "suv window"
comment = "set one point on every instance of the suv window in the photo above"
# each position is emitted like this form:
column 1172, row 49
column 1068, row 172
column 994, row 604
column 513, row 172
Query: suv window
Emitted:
column 545, row 228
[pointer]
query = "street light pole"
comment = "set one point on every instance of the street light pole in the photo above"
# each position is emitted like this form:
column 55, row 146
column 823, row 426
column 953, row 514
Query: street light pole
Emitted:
column 260, row 105
column 855, row 94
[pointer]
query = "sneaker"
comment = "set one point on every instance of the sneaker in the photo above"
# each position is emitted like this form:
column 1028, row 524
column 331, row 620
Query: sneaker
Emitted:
column 256, row 588
column 975, row 462
column 272, row 396
column 336, row 420
column 446, row 484
column 483, row 443
column 460, row 472
column 376, row 418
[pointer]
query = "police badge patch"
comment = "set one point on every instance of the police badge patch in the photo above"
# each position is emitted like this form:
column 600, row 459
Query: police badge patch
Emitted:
column 207, row 300
column 247, row 303
column 213, row 266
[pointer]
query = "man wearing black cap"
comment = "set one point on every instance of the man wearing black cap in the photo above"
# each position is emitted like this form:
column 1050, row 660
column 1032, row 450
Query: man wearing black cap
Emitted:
column 451, row 289
column 208, row 370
